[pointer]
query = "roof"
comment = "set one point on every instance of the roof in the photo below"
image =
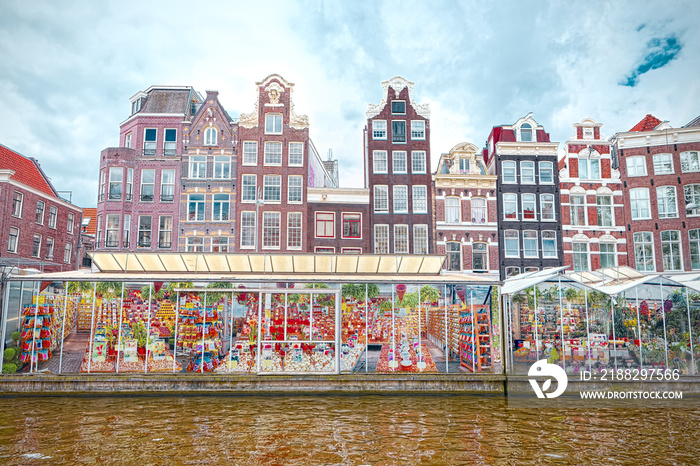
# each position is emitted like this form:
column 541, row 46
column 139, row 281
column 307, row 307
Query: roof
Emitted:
column 648, row 123
column 27, row 170
column 90, row 214
column 693, row 123
column 562, row 164
column 167, row 101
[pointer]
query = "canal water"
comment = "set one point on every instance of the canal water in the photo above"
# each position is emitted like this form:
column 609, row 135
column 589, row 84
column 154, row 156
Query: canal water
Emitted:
column 354, row 430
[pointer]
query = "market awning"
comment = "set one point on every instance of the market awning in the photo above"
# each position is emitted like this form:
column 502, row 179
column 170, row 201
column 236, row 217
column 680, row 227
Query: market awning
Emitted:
column 526, row 280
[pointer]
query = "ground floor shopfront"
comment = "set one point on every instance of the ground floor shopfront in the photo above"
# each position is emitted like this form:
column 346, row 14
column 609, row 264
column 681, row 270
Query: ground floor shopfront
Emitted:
column 228, row 315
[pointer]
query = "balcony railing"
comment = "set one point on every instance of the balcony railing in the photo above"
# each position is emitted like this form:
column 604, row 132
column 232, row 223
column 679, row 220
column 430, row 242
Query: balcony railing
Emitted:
column 167, row 197
column 111, row 243
column 144, row 243
column 147, row 197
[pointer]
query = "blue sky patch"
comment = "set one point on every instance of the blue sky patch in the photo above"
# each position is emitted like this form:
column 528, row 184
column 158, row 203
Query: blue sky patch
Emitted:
column 661, row 51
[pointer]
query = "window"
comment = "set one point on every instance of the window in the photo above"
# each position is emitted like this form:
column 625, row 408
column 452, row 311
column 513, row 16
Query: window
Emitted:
column 136, row 105
column 129, row 183
column 644, row 251
column 195, row 244
column 607, row 255
column 220, row 208
column 12, row 242
column 324, row 249
column 639, row 200
column 17, row 204
column 352, row 225
column 399, row 161
column 398, row 131
column 400, row 199
column 248, row 188
column 210, row 137
column 479, row 213
column 547, row 207
column 67, row 252
column 273, row 153
column 294, row 230
column 663, row 164
column 170, row 143
column 509, row 175
column 636, row 166
column 692, row 199
column 127, row 229
column 98, row 238
column 694, row 236
column 147, row 184
column 530, row 243
column 325, row 222
column 418, row 161
column 295, row 189
column 127, row 140
column 113, row 229
column 273, row 123
column 578, row 209
column 149, row 141
column 510, row 206
column 529, row 206
column 40, row 206
column 525, row 132
column 250, row 153
column 690, row 162
column 589, row 169
column 36, row 246
column 480, row 257
column 549, row 244
column 666, row 201
column 198, row 166
column 296, row 154
column 101, row 195
column 420, row 199
column 401, row 239
column 222, row 167
column 379, row 129
column 272, row 188
column 512, row 271
column 49, row 248
column 351, row 250
column 417, row 129
column 381, row 239
column 453, row 210
column 546, row 173
column 527, row 172
column 381, row 198
column 464, row 166
column 247, row 230
column 219, row 244
column 144, row 231
column 398, row 107
column 511, row 246
column 271, row 230
column 116, row 176
column 605, row 212
column 671, row 250
column 420, row 239
column 454, row 256
column 53, row 214
column 380, row 162
column 167, row 185
column 195, row 207
column 580, row 251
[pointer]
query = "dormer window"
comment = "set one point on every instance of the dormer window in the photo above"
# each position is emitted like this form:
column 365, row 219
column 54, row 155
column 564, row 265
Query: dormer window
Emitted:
column 136, row 105
column 273, row 123
column 210, row 136
column 525, row 132
column 464, row 166
column 398, row 107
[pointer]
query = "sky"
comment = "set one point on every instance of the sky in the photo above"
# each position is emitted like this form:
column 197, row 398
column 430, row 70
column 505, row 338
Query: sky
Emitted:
column 69, row 68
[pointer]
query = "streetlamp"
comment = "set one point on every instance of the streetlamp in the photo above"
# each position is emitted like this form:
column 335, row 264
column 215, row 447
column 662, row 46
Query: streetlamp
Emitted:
column 258, row 202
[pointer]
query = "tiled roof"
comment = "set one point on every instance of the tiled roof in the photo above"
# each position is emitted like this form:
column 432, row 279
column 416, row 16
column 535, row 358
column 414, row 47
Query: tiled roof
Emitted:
column 91, row 213
column 167, row 101
column 562, row 164
column 26, row 170
column 693, row 123
column 648, row 123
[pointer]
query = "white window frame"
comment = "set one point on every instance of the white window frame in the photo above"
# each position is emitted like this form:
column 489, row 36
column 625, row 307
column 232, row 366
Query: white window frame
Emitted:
column 663, row 160
column 542, row 166
column 479, row 252
column 640, row 204
column 67, row 253
column 248, row 229
column 380, row 162
column 400, row 198
column 479, row 213
column 528, row 130
column 250, row 153
column 36, row 246
column 694, row 246
column 667, row 205
column 582, row 254
column 143, row 196
column 193, row 200
column 636, row 166
column 113, row 228
column 612, row 253
column 510, row 249
column 272, row 221
column 294, row 230
column 40, row 212
column 129, row 183
column 453, row 251
column 150, row 146
column 420, row 199
column 544, row 203
column 165, row 231
column 10, row 246
column 690, row 161
column 50, row 244
column 272, row 184
column 145, row 232
column 510, row 199
column 529, row 198
column 296, row 154
column 169, row 147
column 269, row 153
column 418, row 130
column 53, row 216
column 643, row 239
column 678, row 255
column 274, row 123
column 399, row 162
column 246, row 188
column 224, row 206
column 381, row 198
column 529, row 167
column 194, row 244
column 553, row 240
column 691, row 195
column 167, row 185
column 420, row 239
column 530, row 237
column 575, row 208
column 512, row 165
column 211, row 138
column 222, row 167
column 197, row 167
column 401, row 240
column 17, row 204
column 116, row 180
column 295, row 185
column 586, row 165
column 381, row 232
column 418, row 165
column 601, row 207
column 379, row 133
column 217, row 247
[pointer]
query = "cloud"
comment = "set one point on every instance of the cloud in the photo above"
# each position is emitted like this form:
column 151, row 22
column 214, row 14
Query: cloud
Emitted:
column 663, row 50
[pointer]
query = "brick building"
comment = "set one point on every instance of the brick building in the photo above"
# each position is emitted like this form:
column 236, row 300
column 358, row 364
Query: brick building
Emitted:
column 529, row 220
column 277, row 164
column 137, row 205
column 466, row 224
column 397, row 168
column 592, row 216
column 209, row 166
column 340, row 219
column 38, row 229
column 660, row 171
